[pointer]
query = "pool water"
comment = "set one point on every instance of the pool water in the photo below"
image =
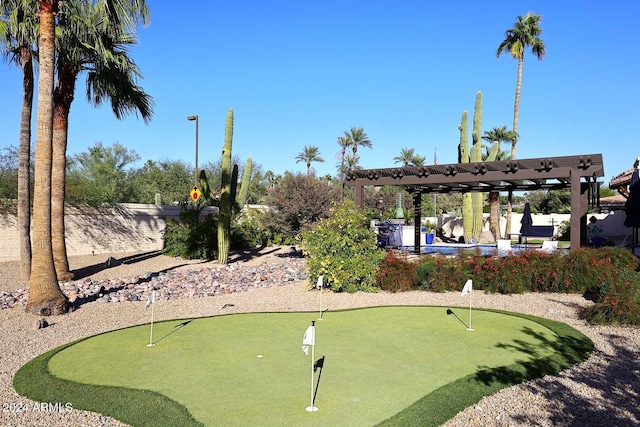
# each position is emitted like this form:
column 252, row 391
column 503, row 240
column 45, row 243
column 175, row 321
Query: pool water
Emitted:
column 483, row 250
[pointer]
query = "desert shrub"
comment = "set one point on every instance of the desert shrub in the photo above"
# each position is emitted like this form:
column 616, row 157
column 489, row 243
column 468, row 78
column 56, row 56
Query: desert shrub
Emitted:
column 343, row 249
column 396, row 274
column 192, row 236
column 298, row 201
column 619, row 301
column 248, row 230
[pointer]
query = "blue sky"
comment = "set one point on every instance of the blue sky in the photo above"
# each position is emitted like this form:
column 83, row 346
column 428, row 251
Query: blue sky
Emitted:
column 300, row 73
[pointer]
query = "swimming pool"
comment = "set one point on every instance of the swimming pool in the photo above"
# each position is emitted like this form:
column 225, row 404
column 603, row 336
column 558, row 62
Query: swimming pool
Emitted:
column 456, row 249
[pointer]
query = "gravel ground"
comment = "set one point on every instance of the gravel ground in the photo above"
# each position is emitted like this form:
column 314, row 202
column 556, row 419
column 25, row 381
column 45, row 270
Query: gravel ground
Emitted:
column 602, row 391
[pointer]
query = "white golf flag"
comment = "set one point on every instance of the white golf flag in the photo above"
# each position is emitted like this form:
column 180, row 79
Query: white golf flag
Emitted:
column 468, row 287
column 308, row 339
column 151, row 299
column 319, row 283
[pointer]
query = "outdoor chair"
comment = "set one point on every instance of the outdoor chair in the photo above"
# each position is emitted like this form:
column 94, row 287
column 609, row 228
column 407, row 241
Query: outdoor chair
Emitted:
column 549, row 246
column 504, row 247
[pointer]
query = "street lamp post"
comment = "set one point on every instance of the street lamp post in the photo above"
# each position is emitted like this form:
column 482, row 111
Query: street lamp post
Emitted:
column 192, row 118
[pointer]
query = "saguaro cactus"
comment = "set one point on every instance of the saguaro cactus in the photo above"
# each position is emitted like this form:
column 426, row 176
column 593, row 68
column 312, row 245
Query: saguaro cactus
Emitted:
column 463, row 157
column 472, row 202
column 476, row 156
column 227, row 203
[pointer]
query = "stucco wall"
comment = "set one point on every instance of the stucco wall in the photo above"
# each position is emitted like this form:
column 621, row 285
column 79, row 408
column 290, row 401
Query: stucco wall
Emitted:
column 124, row 228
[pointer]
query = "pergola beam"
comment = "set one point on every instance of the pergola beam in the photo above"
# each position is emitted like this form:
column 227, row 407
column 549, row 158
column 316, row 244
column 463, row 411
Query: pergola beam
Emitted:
column 551, row 173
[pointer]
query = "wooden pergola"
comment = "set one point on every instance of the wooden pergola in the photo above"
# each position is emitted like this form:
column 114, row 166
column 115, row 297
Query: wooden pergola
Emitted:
column 578, row 173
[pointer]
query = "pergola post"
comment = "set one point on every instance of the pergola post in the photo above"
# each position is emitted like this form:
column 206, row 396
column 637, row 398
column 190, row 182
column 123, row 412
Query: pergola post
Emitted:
column 417, row 220
column 359, row 194
column 579, row 205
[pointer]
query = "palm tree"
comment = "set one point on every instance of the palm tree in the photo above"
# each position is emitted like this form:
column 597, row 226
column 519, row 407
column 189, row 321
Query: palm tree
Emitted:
column 351, row 162
column 358, row 138
column 418, row 160
column 344, row 142
column 310, row 154
column 499, row 135
column 90, row 42
column 406, row 156
column 17, row 40
column 45, row 296
column 525, row 33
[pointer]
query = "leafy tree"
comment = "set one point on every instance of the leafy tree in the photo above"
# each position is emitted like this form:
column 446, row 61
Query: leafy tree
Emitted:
column 607, row 192
column 525, row 33
column 535, row 198
column 556, row 201
column 8, row 173
column 308, row 155
column 172, row 179
column 298, row 201
column 450, row 203
column 100, row 175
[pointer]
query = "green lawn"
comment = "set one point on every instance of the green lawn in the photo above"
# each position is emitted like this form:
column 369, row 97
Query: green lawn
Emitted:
column 378, row 363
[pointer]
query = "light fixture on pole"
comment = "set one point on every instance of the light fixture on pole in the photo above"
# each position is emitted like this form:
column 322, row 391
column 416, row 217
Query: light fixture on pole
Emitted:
column 192, row 118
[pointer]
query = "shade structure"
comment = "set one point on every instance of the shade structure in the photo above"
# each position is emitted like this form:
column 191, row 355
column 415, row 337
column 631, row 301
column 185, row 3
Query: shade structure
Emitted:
column 526, row 221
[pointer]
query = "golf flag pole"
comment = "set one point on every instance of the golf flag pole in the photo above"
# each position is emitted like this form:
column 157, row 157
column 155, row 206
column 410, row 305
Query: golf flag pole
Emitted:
column 319, row 287
column 151, row 301
column 468, row 289
column 309, row 340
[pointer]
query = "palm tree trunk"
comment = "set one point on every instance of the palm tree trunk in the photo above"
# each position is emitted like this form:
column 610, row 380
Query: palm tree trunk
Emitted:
column 62, row 99
column 494, row 214
column 24, row 163
column 45, row 296
column 516, row 110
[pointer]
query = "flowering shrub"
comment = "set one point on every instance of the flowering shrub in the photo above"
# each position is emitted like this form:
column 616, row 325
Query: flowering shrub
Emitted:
column 343, row 249
column 609, row 273
column 619, row 301
column 396, row 274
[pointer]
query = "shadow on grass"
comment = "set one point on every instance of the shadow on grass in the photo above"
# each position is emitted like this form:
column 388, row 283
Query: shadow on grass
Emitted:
column 176, row 328
column 444, row 403
column 318, row 366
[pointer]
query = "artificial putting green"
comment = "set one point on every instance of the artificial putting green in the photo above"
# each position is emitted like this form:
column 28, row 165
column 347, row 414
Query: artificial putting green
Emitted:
column 377, row 362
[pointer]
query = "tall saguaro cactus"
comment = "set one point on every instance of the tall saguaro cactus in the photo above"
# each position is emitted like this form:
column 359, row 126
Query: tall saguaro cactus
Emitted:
column 227, row 203
column 476, row 156
column 463, row 157
column 472, row 202
column 224, row 212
